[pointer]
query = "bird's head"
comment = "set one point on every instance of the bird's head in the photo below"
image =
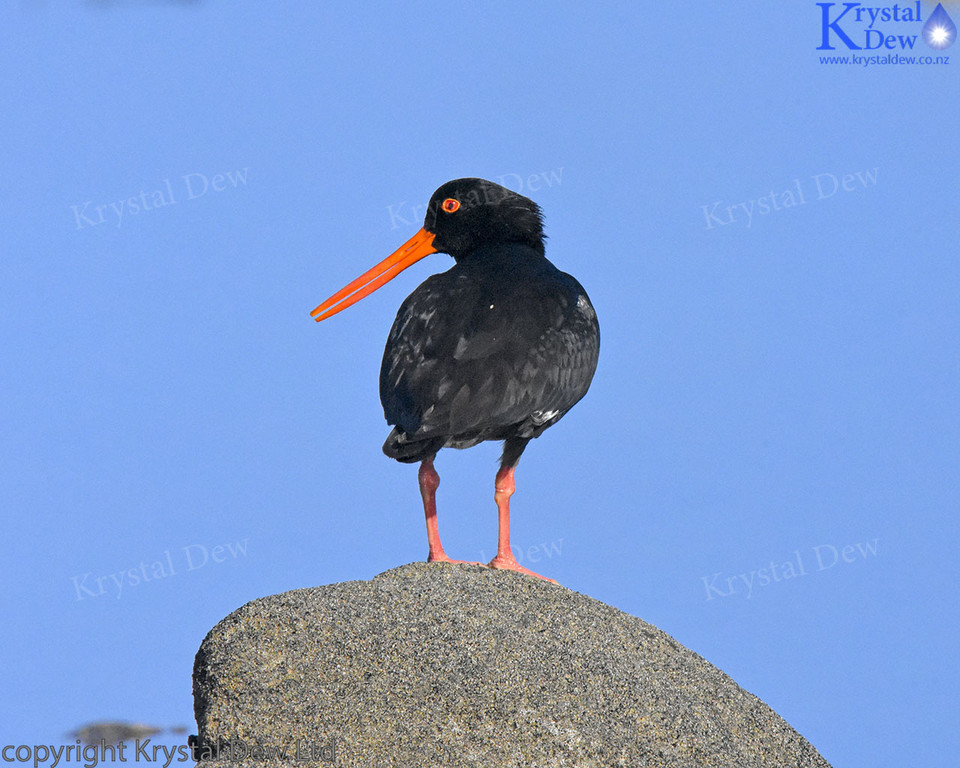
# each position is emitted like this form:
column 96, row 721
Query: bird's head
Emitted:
column 462, row 215
column 466, row 213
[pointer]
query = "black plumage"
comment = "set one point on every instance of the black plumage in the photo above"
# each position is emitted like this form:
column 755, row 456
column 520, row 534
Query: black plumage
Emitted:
column 499, row 347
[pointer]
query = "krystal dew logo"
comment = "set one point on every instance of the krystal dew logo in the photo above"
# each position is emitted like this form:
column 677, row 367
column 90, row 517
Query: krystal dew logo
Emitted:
column 939, row 32
column 859, row 27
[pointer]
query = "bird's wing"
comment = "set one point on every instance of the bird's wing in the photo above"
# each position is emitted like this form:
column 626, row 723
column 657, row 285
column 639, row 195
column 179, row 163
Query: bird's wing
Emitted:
column 459, row 362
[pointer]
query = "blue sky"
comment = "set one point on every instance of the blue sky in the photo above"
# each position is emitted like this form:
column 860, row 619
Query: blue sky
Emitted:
column 765, row 467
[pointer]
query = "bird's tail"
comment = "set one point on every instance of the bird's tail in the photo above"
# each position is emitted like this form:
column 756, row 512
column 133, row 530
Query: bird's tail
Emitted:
column 398, row 446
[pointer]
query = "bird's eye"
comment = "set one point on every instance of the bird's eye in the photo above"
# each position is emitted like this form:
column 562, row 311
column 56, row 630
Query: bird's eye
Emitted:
column 450, row 205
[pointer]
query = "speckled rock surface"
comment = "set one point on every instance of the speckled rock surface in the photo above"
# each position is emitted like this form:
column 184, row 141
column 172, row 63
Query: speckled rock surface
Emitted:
column 457, row 665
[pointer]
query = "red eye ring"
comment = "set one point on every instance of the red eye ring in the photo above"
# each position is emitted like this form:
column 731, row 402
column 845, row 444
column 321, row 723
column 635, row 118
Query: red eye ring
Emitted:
column 450, row 205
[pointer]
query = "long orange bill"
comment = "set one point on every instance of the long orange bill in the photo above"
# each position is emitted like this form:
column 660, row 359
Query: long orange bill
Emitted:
column 418, row 246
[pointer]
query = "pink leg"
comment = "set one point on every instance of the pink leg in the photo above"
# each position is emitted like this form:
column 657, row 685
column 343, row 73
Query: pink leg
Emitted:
column 504, row 488
column 429, row 482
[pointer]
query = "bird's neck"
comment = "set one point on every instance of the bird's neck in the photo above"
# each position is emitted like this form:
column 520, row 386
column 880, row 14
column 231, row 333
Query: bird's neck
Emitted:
column 502, row 254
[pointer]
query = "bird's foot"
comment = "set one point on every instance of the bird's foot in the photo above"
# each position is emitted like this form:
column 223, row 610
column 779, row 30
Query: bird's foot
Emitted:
column 503, row 563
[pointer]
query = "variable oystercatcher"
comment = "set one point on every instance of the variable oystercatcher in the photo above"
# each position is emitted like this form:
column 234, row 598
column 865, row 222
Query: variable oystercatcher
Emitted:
column 498, row 347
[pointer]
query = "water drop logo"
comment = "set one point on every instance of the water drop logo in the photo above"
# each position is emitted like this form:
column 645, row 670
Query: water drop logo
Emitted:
column 939, row 32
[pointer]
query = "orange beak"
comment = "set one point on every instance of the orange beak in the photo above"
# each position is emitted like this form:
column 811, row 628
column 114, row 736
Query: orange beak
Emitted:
column 418, row 246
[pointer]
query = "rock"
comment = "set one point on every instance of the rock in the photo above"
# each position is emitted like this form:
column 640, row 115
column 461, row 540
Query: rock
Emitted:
column 431, row 665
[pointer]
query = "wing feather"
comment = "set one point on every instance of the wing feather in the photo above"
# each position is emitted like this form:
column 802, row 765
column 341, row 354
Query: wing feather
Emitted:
column 467, row 360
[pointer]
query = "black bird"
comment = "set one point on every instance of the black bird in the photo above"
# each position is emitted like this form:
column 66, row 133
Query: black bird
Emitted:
column 498, row 347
